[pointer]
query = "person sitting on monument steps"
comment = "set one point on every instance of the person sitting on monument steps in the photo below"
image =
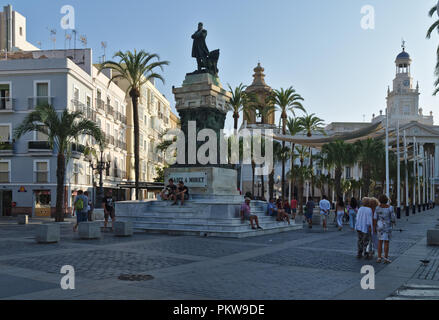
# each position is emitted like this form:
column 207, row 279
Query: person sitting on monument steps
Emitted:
column 281, row 215
column 182, row 193
column 246, row 214
column 169, row 190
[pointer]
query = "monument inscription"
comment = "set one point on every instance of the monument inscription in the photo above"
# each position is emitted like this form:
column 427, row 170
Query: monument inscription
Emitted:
column 191, row 179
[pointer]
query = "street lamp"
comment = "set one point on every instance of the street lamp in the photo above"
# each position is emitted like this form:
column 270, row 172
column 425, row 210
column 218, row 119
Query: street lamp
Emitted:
column 100, row 166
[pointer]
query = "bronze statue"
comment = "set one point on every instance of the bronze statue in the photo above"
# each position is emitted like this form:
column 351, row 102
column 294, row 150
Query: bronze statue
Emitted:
column 206, row 61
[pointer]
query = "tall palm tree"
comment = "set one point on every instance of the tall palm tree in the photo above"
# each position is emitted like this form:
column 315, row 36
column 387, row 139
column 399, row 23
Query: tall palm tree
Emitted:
column 240, row 102
column 294, row 126
column 136, row 68
column 311, row 123
column 302, row 153
column 369, row 153
column 278, row 154
column 434, row 26
column 285, row 100
column 62, row 130
column 337, row 155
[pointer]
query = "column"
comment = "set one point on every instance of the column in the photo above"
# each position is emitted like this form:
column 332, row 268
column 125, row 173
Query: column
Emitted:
column 436, row 160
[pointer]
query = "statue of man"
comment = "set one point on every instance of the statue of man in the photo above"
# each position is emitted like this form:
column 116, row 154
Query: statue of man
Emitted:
column 199, row 47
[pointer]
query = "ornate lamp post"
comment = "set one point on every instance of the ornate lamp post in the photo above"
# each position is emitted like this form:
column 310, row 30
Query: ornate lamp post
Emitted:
column 100, row 166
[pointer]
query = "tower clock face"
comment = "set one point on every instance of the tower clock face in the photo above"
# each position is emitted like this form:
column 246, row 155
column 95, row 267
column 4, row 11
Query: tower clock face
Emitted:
column 406, row 83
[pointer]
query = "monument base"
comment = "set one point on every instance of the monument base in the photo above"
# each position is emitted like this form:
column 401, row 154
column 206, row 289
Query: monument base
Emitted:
column 205, row 181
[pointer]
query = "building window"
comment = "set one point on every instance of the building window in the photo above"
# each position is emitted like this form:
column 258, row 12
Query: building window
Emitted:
column 5, row 99
column 5, row 132
column 348, row 173
column 75, row 173
column 21, row 31
column 42, row 94
column 5, row 171
column 41, row 169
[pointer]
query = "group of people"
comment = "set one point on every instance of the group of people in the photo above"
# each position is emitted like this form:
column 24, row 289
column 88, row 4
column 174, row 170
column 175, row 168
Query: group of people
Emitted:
column 83, row 208
column 175, row 192
column 373, row 221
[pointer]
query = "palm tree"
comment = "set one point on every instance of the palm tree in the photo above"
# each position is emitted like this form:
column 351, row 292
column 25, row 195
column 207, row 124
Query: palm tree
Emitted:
column 136, row 68
column 278, row 155
column 294, row 126
column 240, row 102
column 369, row 153
column 310, row 124
column 434, row 26
column 337, row 155
column 62, row 131
column 302, row 153
column 285, row 100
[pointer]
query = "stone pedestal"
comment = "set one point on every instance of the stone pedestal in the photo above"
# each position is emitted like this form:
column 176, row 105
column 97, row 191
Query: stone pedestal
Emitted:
column 89, row 230
column 23, row 219
column 123, row 228
column 316, row 219
column 48, row 233
column 205, row 180
column 433, row 237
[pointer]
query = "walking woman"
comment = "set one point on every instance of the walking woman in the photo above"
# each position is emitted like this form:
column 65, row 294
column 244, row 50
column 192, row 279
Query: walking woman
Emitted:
column 384, row 219
column 352, row 211
column 373, row 240
column 340, row 209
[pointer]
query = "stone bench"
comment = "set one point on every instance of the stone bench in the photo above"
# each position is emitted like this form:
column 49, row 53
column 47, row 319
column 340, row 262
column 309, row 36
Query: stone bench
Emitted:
column 98, row 215
column 433, row 237
column 23, row 219
column 47, row 233
column 123, row 228
column 89, row 230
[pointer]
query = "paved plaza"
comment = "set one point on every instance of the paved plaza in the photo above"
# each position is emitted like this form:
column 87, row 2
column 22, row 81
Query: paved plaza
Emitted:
column 302, row 264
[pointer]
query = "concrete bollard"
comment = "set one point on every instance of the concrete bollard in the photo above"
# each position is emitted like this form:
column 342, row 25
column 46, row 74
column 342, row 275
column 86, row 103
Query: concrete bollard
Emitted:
column 123, row 228
column 433, row 237
column 316, row 219
column 23, row 219
column 89, row 230
column 48, row 233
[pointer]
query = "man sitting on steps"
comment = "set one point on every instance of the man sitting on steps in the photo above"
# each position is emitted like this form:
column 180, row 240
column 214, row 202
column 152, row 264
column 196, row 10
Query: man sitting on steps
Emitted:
column 246, row 214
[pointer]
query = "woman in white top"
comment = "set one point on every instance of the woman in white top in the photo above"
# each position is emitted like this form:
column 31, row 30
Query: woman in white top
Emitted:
column 340, row 213
column 363, row 226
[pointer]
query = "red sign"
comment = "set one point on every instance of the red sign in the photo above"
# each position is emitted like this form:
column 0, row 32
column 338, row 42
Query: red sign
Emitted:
column 22, row 189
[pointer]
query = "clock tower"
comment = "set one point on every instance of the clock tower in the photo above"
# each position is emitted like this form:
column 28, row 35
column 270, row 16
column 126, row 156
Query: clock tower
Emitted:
column 403, row 100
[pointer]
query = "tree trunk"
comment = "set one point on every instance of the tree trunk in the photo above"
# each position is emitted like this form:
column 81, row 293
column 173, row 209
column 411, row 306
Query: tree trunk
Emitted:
column 283, row 158
column 263, row 186
column 338, row 175
column 271, row 184
column 235, row 120
column 60, row 175
column 134, row 94
column 253, row 179
column 300, row 195
column 312, row 176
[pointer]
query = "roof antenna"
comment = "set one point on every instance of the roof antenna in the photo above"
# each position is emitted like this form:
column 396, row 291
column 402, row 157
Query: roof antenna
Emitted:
column 403, row 44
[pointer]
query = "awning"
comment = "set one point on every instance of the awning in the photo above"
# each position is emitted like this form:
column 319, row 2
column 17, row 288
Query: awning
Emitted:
column 374, row 131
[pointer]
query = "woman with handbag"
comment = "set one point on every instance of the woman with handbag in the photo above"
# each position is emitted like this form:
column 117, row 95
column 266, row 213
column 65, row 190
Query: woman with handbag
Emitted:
column 384, row 220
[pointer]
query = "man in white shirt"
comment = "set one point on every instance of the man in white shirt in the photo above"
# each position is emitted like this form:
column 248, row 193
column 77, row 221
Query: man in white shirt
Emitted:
column 325, row 207
column 363, row 227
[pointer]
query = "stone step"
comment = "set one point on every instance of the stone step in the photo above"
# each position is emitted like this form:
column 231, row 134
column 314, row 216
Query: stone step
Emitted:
column 198, row 221
column 202, row 227
column 243, row 232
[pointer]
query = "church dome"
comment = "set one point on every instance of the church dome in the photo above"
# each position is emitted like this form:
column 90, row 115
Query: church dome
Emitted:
column 403, row 55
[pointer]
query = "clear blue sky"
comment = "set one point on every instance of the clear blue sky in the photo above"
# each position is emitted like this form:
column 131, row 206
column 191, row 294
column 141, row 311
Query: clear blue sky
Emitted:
column 317, row 46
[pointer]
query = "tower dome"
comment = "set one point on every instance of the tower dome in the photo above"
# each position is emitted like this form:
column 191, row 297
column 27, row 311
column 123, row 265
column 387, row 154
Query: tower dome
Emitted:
column 403, row 55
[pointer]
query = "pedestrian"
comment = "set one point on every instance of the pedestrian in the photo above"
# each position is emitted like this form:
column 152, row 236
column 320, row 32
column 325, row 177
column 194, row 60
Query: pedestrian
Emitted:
column 80, row 205
column 309, row 209
column 90, row 207
column 245, row 213
column 340, row 211
column 294, row 207
column 325, row 207
column 281, row 213
column 181, row 194
column 373, row 241
column 363, row 226
column 108, row 203
column 352, row 211
column 287, row 207
column 385, row 220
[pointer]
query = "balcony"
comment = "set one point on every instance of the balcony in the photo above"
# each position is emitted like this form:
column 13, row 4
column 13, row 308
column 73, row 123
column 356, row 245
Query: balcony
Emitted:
column 100, row 104
column 39, row 146
column 6, row 148
column 109, row 110
column 77, row 150
column 7, row 104
column 39, row 101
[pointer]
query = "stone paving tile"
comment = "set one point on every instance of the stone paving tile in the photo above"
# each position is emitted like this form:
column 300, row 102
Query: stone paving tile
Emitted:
column 11, row 247
column 13, row 285
column 321, row 259
column 107, row 238
column 246, row 280
column 273, row 239
column 96, row 264
column 195, row 246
